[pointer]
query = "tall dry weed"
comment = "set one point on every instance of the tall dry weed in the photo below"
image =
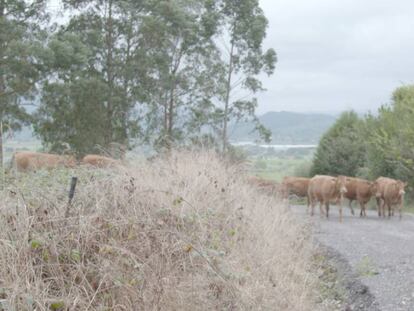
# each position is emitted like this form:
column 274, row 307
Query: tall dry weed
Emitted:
column 185, row 232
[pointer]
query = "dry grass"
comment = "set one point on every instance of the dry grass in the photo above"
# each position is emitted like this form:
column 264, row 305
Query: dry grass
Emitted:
column 183, row 233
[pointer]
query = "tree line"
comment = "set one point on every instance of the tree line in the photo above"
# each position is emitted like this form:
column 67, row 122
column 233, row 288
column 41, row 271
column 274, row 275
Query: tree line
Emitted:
column 377, row 144
column 158, row 72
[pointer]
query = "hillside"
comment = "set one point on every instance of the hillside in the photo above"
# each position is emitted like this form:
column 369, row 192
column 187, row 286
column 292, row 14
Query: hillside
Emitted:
column 287, row 127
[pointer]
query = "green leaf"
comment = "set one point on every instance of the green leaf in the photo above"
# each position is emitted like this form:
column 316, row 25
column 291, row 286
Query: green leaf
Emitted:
column 57, row 306
column 75, row 255
column 35, row 244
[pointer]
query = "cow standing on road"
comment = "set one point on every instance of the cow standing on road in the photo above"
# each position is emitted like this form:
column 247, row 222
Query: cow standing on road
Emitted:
column 389, row 192
column 324, row 189
column 359, row 190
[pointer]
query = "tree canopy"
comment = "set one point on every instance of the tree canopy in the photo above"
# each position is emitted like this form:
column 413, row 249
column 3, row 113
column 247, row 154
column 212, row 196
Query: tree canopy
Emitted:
column 151, row 72
column 22, row 59
column 378, row 144
column 341, row 150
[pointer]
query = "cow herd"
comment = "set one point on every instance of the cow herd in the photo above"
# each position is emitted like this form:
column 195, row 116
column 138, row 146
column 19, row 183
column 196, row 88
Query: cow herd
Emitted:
column 388, row 192
column 26, row 161
column 322, row 189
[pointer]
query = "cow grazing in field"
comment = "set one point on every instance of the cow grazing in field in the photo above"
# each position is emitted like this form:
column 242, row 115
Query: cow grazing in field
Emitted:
column 99, row 161
column 26, row 161
column 324, row 189
column 359, row 190
column 297, row 186
column 268, row 186
column 389, row 192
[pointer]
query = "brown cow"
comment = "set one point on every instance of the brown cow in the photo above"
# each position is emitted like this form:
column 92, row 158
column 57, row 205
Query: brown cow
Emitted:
column 297, row 186
column 360, row 190
column 389, row 192
column 25, row 161
column 325, row 189
column 268, row 186
column 99, row 161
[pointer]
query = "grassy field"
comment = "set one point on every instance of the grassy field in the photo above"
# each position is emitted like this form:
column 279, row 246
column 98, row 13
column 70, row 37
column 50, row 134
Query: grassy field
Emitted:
column 275, row 168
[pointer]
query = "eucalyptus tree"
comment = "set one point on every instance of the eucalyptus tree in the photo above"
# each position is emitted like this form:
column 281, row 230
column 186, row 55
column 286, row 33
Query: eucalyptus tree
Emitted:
column 21, row 60
column 183, row 70
column 95, row 76
column 243, row 28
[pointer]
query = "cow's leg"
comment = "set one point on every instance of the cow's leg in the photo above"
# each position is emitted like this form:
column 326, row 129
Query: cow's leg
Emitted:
column 382, row 208
column 400, row 206
column 378, row 205
column 362, row 213
column 322, row 211
column 350, row 206
column 312, row 206
column 327, row 209
column 389, row 209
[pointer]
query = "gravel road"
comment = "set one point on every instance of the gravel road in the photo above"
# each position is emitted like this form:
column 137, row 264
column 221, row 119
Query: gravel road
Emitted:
column 379, row 251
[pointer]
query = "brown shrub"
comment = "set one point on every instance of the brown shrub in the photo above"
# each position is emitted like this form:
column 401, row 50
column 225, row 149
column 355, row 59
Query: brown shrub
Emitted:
column 182, row 233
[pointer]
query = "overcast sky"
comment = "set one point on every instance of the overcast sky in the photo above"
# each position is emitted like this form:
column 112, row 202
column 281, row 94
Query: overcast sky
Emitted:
column 337, row 55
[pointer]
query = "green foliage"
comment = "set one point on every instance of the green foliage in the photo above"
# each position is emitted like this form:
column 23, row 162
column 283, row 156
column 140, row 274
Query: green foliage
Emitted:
column 129, row 71
column 244, row 26
column 93, row 86
column 391, row 137
column 341, row 150
column 380, row 144
column 303, row 169
column 21, row 60
column 183, row 70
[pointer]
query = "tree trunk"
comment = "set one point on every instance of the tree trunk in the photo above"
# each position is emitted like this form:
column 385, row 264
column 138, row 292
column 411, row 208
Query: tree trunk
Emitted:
column 110, row 76
column 1, row 146
column 227, row 99
column 170, row 118
column 2, row 91
column 126, row 105
column 165, row 106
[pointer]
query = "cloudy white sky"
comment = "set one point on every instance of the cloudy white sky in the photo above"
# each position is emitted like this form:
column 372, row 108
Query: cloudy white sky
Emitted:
column 337, row 55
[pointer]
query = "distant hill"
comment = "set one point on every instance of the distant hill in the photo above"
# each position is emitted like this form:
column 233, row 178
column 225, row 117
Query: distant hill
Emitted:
column 287, row 127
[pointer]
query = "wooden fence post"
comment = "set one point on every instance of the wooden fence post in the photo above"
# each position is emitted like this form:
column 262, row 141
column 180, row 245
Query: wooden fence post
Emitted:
column 72, row 189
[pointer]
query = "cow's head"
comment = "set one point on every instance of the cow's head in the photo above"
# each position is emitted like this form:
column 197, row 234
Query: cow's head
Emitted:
column 341, row 184
column 401, row 185
column 373, row 187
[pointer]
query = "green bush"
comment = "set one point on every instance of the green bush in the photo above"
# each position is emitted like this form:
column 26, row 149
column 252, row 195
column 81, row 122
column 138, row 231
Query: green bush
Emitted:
column 341, row 150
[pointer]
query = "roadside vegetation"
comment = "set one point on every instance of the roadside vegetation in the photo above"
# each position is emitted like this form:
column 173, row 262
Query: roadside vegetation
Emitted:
column 185, row 232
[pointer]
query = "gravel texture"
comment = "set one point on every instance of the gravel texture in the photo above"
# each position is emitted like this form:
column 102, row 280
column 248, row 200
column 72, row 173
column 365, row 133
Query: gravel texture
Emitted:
column 377, row 253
